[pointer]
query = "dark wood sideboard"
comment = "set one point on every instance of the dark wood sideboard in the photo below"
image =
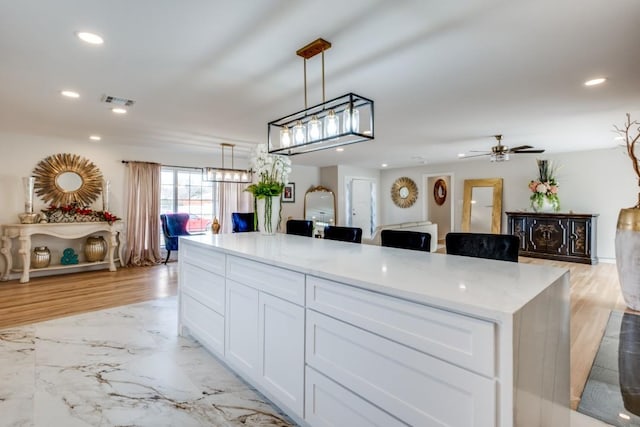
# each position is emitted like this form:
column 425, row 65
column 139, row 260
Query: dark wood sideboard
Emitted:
column 565, row 237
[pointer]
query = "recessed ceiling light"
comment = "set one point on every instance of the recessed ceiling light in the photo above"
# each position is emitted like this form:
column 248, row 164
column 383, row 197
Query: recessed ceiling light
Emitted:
column 619, row 138
column 624, row 416
column 90, row 38
column 70, row 94
column 95, row 137
column 384, row 165
column 461, row 154
column 340, row 149
column 119, row 110
column 594, row 82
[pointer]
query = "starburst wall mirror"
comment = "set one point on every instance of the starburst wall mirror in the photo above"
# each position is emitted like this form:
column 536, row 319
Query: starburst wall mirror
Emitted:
column 64, row 179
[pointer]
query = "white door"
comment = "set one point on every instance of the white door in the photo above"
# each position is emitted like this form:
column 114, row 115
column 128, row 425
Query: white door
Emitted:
column 362, row 205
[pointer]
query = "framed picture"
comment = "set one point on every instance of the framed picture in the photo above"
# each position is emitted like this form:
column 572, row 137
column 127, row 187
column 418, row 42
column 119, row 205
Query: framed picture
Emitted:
column 440, row 191
column 289, row 193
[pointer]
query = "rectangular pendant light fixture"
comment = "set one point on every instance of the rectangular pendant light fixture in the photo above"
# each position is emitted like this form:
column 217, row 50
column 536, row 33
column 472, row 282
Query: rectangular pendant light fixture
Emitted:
column 340, row 121
column 225, row 174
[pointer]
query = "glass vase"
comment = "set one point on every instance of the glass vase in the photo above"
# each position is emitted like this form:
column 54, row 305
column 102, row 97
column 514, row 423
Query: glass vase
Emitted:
column 268, row 214
column 28, row 183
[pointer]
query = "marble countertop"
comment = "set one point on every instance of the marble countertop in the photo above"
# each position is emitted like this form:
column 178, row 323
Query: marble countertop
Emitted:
column 485, row 288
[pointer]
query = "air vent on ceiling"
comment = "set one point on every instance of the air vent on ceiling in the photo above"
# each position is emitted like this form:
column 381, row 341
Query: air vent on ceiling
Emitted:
column 114, row 100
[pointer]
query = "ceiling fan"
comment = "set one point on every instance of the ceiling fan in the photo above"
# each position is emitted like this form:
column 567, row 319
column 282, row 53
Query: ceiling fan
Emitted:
column 500, row 153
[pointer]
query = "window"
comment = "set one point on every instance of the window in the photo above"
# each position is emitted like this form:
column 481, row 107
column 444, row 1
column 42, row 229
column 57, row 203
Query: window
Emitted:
column 183, row 190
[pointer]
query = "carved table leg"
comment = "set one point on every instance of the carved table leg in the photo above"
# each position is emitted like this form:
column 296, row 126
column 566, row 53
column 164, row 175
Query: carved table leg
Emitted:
column 25, row 253
column 8, row 260
column 111, row 249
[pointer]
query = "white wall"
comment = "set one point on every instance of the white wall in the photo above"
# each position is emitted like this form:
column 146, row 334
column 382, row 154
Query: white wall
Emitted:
column 21, row 154
column 598, row 181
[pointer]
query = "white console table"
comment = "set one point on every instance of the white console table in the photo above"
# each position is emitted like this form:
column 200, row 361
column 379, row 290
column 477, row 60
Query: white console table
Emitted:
column 71, row 230
column 355, row 335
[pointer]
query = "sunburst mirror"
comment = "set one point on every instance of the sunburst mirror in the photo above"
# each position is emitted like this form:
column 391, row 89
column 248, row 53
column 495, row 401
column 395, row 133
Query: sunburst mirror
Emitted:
column 404, row 192
column 63, row 179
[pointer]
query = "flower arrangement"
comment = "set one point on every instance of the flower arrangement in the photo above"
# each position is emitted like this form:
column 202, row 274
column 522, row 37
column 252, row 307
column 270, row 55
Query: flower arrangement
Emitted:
column 272, row 172
column 545, row 188
column 76, row 213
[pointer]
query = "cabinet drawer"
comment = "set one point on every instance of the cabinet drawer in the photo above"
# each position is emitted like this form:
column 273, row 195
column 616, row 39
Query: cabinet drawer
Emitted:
column 205, row 258
column 330, row 405
column 458, row 339
column 414, row 387
column 204, row 324
column 203, row 286
column 286, row 284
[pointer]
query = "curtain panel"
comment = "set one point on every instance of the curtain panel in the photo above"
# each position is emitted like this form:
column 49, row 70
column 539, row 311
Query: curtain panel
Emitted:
column 143, row 214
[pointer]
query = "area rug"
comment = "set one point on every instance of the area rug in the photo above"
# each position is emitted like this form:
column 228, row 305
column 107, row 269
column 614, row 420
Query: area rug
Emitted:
column 612, row 392
column 124, row 366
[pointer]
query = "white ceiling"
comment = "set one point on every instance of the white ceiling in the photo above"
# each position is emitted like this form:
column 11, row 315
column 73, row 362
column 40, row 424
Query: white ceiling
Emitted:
column 445, row 75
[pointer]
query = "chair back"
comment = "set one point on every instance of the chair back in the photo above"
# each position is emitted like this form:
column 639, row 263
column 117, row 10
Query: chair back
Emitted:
column 242, row 222
column 173, row 225
column 403, row 239
column 300, row 227
column 502, row 247
column 344, row 234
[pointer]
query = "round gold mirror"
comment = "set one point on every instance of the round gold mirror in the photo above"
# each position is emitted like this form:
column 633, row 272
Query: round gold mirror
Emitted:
column 404, row 192
column 63, row 179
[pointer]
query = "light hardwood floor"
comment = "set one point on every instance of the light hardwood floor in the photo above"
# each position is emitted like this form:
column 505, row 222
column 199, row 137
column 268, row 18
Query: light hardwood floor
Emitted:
column 594, row 293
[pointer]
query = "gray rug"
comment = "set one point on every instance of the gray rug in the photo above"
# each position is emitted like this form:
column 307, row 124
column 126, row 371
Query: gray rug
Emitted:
column 612, row 392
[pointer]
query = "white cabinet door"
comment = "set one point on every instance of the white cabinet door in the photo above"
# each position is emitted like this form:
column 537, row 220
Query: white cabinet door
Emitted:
column 281, row 338
column 241, row 341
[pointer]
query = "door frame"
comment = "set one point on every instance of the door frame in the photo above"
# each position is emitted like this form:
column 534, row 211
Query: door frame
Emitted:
column 374, row 200
column 450, row 193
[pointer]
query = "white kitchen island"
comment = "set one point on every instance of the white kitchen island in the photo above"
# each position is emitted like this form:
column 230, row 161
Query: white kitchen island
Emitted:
column 342, row 334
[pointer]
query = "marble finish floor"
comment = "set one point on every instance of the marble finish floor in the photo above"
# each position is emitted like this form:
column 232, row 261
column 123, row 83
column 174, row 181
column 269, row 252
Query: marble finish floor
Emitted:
column 121, row 367
column 612, row 392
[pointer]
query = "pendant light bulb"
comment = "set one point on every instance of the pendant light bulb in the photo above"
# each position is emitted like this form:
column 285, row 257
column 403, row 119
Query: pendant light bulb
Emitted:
column 351, row 120
column 285, row 137
column 315, row 128
column 331, row 124
column 299, row 133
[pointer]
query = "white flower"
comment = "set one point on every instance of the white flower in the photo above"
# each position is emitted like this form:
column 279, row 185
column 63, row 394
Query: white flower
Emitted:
column 541, row 188
column 270, row 168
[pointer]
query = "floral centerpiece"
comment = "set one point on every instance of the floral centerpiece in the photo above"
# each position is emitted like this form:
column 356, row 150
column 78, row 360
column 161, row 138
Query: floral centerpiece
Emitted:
column 76, row 213
column 272, row 172
column 545, row 188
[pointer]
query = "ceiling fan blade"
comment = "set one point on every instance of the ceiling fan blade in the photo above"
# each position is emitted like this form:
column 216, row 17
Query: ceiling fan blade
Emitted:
column 527, row 151
column 480, row 151
column 475, row 155
column 520, row 147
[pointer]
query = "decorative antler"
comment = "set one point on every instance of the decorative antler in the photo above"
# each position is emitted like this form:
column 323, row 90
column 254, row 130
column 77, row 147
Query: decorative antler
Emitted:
column 631, row 146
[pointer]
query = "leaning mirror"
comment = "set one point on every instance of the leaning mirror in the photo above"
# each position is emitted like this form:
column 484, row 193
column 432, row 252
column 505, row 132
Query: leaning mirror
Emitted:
column 320, row 207
column 482, row 206
column 63, row 179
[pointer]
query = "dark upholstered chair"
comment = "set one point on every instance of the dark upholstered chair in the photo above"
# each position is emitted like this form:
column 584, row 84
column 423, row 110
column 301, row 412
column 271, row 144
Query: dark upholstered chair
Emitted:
column 242, row 222
column 173, row 226
column 300, row 227
column 406, row 240
column 502, row 247
column 344, row 234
